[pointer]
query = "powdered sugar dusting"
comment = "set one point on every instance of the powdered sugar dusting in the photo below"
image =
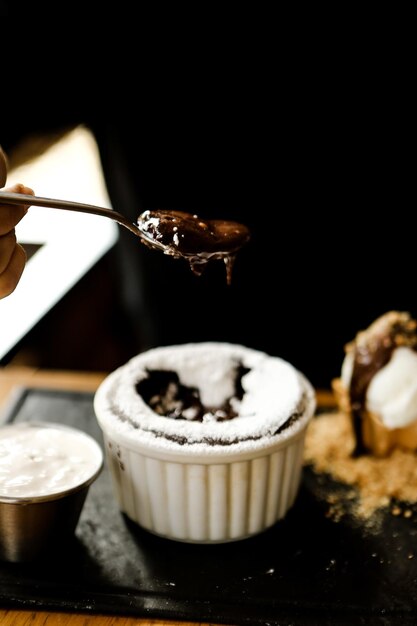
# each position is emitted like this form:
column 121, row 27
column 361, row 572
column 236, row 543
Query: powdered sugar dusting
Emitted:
column 274, row 392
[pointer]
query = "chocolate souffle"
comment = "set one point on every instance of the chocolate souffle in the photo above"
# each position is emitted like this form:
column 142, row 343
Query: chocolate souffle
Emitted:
column 205, row 441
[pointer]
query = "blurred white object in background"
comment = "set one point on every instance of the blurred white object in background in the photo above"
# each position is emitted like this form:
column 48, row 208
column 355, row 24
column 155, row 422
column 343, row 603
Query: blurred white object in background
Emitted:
column 64, row 245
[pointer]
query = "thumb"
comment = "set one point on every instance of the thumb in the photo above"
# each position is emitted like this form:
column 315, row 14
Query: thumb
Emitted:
column 3, row 168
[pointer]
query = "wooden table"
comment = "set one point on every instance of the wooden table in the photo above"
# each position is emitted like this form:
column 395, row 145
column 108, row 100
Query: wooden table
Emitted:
column 12, row 378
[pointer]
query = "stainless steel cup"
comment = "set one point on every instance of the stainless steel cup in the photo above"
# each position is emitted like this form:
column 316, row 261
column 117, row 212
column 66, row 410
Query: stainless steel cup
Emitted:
column 30, row 525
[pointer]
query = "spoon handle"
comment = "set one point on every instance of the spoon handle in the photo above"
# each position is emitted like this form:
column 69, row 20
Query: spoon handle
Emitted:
column 8, row 197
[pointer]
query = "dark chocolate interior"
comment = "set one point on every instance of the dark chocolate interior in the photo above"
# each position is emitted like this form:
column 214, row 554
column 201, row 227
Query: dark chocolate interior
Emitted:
column 163, row 391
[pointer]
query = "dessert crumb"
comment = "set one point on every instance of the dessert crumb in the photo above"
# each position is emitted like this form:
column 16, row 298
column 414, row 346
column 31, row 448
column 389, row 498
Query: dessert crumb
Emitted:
column 377, row 483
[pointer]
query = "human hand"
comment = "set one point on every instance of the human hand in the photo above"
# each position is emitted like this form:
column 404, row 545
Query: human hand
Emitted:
column 12, row 255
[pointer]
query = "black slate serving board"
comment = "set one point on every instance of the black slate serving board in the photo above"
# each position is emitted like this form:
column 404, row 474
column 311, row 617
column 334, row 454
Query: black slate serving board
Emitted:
column 307, row 570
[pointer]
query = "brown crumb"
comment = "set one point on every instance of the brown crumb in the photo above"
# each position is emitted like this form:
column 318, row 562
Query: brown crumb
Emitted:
column 378, row 482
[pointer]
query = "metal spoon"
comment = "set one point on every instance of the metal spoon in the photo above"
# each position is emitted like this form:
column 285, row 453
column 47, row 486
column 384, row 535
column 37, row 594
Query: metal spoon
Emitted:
column 8, row 197
column 176, row 233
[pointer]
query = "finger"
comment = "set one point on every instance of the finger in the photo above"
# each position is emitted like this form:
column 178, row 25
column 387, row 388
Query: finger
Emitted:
column 19, row 188
column 3, row 168
column 7, row 246
column 11, row 214
column 11, row 276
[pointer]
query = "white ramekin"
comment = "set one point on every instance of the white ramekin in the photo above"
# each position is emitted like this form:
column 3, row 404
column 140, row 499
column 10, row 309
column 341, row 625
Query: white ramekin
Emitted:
column 188, row 495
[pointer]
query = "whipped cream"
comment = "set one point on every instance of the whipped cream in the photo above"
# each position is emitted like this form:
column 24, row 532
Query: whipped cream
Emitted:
column 392, row 393
column 347, row 369
column 39, row 460
column 274, row 392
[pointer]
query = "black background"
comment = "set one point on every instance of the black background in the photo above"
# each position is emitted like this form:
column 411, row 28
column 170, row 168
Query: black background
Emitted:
column 301, row 128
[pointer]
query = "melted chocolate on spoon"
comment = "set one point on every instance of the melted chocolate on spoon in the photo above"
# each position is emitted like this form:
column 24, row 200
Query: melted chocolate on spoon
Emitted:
column 186, row 236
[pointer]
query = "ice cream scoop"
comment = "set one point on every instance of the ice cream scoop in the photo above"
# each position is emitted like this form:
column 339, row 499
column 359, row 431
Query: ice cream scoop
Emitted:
column 378, row 383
